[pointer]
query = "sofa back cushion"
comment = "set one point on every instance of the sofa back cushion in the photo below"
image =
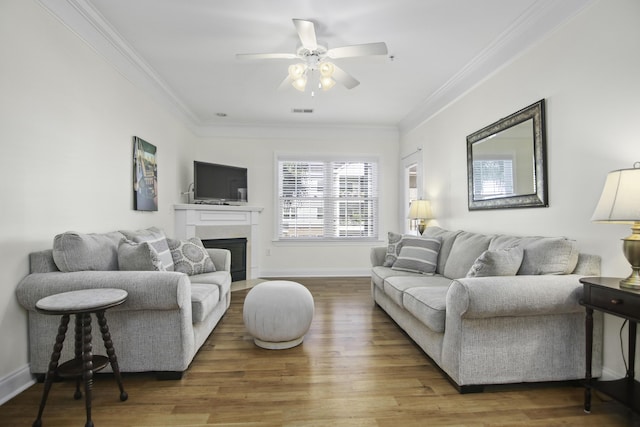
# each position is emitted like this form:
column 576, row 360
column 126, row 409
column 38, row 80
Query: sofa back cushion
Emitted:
column 466, row 248
column 447, row 238
column 553, row 255
column 542, row 255
column 74, row 251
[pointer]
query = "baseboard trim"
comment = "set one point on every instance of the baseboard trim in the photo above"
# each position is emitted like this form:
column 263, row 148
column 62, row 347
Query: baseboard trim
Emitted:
column 15, row 383
column 354, row 272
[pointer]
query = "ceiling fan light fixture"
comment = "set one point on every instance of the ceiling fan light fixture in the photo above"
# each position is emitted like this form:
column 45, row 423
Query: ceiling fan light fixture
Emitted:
column 300, row 83
column 296, row 71
column 326, row 69
column 327, row 83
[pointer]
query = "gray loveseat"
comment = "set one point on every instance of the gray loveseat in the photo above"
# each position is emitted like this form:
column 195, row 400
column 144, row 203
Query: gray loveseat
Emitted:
column 489, row 309
column 168, row 314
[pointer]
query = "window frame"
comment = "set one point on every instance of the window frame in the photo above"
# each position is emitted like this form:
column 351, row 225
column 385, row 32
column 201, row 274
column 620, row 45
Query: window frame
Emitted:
column 333, row 200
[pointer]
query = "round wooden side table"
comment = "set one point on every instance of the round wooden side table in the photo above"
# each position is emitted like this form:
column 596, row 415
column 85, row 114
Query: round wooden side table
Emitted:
column 81, row 303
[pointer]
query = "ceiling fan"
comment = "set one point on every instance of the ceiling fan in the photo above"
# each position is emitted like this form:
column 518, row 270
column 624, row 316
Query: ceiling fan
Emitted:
column 315, row 57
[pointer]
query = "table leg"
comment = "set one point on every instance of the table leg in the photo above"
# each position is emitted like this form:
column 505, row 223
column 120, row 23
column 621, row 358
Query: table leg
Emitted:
column 588, row 356
column 87, row 368
column 631, row 372
column 78, row 353
column 53, row 365
column 111, row 352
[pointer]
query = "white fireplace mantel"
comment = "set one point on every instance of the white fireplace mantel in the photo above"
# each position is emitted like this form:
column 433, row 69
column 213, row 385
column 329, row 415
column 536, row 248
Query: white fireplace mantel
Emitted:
column 190, row 218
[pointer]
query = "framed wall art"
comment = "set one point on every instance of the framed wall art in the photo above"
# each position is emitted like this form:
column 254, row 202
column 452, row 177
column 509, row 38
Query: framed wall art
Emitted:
column 145, row 176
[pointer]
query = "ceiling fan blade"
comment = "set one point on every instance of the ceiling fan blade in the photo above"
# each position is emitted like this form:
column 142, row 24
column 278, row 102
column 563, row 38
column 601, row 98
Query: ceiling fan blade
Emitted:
column 366, row 49
column 307, row 33
column 346, row 79
column 266, row 56
column 286, row 83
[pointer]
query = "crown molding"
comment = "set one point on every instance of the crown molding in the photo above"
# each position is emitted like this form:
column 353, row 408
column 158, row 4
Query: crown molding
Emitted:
column 544, row 16
column 305, row 132
column 88, row 24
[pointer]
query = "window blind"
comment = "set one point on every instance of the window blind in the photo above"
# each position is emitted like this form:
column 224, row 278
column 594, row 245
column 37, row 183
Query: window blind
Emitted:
column 327, row 199
column 492, row 178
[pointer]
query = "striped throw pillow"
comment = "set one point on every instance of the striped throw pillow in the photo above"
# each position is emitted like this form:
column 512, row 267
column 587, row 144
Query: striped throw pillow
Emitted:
column 418, row 255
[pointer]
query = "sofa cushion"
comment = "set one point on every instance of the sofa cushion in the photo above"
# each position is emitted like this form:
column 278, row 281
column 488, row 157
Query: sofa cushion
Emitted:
column 418, row 255
column 393, row 248
column 190, row 256
column 204, row 297
column 552, row 255
column 394, row 287
column 380, row 273
column 74, row 251
column 542, row 255
column 466, row 248
column 221, row 279
column 141, row 256
column 501, row 262
column 157, row 239
column 448, row 237
column 427, row 304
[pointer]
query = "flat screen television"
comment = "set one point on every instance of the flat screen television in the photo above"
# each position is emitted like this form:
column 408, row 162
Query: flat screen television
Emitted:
column 219, row 183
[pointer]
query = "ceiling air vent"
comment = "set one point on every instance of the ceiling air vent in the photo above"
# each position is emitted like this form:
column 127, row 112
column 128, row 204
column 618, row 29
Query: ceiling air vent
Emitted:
column 302, row 110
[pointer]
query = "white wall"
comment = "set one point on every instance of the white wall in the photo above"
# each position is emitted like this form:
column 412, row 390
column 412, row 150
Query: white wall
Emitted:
column 67, row 119
column 588, row 72
column 258, row 155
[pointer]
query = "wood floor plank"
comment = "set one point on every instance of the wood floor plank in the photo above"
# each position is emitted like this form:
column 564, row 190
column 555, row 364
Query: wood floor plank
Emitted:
column 355, row 368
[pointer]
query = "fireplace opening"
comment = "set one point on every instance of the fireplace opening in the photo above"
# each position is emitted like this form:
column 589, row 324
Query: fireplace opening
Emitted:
column 238, row 248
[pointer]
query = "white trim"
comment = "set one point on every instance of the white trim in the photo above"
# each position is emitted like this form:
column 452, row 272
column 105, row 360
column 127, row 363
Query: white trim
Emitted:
column 407, row 161
column 321, row 272
column 90, row 26
column 542, row 17
column 15, row 383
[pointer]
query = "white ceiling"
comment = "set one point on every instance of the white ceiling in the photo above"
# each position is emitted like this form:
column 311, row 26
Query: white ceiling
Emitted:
column 183, row 52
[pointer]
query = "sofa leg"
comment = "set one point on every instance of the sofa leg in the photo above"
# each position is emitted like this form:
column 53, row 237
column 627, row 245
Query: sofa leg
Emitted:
column 169, row 375
column 464, row 389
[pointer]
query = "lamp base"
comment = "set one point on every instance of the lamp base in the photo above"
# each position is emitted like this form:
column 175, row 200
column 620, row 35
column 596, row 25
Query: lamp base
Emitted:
column 421, row 226
column 631, row 282
column 631, row 249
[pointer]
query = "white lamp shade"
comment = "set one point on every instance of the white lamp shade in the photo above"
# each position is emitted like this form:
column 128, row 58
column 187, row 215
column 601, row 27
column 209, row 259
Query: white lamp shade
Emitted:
column 420, row 209
column 620, row 199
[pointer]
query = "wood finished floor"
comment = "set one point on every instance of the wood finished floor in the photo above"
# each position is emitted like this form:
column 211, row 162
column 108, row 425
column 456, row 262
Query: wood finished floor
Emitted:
column 355, row 368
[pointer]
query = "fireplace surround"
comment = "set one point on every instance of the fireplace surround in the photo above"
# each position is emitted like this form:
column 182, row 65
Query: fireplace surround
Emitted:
column 210, row 222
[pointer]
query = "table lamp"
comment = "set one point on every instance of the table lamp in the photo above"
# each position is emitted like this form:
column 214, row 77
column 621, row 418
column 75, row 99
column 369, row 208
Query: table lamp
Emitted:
column 420, row 211
column 620, row 203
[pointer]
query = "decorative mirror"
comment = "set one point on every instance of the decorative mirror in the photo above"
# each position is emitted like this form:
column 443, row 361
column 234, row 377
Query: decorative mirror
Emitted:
column 506, row 162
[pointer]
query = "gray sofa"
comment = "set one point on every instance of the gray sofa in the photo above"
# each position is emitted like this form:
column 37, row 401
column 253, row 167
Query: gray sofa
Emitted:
column 489, row 309
column 168, row 314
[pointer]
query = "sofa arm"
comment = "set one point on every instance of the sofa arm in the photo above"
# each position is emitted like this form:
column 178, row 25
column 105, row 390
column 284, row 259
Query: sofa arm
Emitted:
column 485, row 297
column 377, row 255
column 148, row 290
column 221, row 258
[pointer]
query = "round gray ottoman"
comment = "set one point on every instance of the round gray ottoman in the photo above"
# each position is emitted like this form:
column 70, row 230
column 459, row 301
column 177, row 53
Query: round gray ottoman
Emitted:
column 278, row 313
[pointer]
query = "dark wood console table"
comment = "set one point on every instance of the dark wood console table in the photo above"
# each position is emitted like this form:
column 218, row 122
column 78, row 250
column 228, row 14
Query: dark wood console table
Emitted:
column 604, row 294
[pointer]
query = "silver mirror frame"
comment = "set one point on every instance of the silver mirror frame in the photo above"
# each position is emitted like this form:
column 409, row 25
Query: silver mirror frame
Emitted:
column 540, row 197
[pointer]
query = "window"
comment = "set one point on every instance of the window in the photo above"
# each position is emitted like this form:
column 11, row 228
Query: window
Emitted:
column 492, row 178
column 327, row 199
